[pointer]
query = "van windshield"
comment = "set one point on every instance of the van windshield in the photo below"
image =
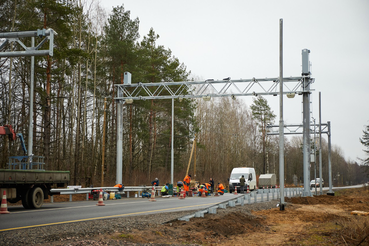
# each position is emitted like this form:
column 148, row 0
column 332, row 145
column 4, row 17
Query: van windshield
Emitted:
column 239, row 175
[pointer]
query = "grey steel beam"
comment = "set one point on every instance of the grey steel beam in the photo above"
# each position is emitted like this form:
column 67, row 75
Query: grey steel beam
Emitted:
column 320, row 143
column 208, row 88
column 298, row 127
column 25, row 34
column 28, row 51
column 329, row 159
column 281, row 122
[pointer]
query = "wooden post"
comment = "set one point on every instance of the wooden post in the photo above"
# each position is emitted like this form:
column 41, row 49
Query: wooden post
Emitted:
column 103, row 146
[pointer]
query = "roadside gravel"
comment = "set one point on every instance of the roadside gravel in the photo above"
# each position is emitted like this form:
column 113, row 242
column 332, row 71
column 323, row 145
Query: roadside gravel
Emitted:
column 99, row 232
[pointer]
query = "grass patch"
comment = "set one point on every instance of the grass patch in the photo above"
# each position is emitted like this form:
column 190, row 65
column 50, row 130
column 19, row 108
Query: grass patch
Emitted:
column 126, row 236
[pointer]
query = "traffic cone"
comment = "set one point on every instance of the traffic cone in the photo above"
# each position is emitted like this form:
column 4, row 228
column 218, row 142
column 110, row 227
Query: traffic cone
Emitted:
column 248, row 189
column 181, row 196
column 203, row 194
column 4, row 204
column 235, row 190
column 152, row 198
column 101, row 201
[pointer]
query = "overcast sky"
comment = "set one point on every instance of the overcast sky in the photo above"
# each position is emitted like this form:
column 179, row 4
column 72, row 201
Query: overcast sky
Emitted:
column 240, row 39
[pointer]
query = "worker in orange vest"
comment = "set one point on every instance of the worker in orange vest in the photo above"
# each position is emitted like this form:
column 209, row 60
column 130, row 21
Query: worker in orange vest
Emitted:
column 119, row 186
column 220, row 189
column 186, row 183
column 208, row 188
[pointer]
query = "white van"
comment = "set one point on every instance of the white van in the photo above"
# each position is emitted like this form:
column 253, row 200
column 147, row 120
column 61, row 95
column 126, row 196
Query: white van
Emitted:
column 236, row 174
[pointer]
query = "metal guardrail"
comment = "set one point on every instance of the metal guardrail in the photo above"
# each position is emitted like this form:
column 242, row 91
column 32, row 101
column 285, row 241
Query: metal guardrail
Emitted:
column 271, row 194
column 79, row 190
column 252, row 197
column 73, row 190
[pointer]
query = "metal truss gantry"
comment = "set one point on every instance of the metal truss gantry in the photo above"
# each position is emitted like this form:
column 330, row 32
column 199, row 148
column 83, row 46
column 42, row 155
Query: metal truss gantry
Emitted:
column 211, row 88
column 11, row 37
column 296, row 129
column 128, row 92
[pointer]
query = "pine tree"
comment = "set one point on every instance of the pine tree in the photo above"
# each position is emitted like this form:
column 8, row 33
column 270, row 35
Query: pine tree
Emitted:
column 365, row 141
column 263, row 115
column 156, row 64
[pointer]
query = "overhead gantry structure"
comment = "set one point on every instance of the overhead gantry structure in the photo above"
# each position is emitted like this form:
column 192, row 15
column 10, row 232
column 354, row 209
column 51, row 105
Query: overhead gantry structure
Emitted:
column 209, row 88
column 15, row 37
column 127, row 93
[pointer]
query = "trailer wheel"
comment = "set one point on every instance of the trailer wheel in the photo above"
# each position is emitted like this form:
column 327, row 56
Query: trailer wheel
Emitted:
column 36, row 197
column 25, row 199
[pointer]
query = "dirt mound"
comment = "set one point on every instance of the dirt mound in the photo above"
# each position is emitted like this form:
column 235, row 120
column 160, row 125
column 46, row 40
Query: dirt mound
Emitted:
column 318, row 220
column 355, row 201
column 225, row 225
column 213, row 229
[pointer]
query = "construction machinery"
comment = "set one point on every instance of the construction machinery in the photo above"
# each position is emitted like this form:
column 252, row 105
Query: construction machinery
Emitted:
column 193, row 184
column 25, row 178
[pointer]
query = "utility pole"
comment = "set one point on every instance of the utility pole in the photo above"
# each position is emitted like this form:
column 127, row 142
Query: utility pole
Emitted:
column 320, row 143
column 306, row 120
column 281, row 123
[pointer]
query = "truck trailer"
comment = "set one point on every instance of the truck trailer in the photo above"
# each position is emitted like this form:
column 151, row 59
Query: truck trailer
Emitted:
column 25, row 178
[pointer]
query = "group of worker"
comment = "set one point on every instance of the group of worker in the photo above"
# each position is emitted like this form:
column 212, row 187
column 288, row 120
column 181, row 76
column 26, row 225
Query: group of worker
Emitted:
column 164, row 190
column 207, row 188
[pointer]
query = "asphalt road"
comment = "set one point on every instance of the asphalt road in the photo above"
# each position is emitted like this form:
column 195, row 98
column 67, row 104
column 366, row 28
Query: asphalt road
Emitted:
column 69, row 212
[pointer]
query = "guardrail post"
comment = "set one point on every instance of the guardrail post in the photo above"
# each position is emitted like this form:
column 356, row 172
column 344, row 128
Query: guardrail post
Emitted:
column 222, row 205
column 199, row 214
column 87, row 196
column 273, row 194
column 232, row 203
column 268, row 194
column 70, row 197
column 247, row 197
column 262, row 195
column 240, row 200
column 212, row 210
column 127, row 194
column 255, row 197
column 51, row 199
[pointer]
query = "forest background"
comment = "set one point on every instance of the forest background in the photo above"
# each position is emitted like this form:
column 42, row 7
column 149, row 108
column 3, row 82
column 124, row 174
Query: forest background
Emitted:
column 92, row 50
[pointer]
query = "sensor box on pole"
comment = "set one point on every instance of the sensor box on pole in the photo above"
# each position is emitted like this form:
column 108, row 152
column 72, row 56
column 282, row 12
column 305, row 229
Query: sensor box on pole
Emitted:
column 127, row 78
column 305, row 62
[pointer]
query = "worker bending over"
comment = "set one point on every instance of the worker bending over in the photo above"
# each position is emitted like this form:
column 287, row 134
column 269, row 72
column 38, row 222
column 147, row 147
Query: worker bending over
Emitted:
column 179, row 185
column 202, row 188
column 208, row 188
column 120, row 187
column 164, row 190
column 220, row 189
